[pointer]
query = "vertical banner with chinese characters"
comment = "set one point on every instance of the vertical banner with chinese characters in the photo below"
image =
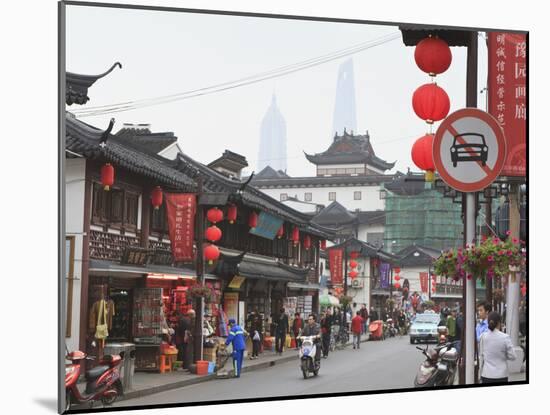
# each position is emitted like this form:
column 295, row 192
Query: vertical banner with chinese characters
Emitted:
column 336, row 261
column 423, row 281
column 180, row 210
column 385, row 270
column 508, row 96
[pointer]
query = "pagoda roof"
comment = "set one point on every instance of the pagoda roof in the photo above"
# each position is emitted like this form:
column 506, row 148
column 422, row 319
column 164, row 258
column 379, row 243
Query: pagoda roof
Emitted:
column 145, row 140
column 349, row 149
column 78, row 84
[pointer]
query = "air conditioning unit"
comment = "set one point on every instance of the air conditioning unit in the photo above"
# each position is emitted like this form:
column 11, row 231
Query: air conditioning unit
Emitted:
column 357, row 283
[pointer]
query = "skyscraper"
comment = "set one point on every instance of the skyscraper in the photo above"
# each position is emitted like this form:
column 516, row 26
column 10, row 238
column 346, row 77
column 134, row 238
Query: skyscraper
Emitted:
column 272, row 139
column 344, row 104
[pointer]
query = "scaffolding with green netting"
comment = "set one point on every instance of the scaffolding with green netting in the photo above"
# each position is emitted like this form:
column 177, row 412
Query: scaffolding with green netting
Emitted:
column 426, row 218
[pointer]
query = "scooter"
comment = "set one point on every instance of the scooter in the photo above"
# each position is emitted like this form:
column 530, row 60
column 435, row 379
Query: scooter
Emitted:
column 439, row 368
column 307, row 353
column 391, row 330
column 102, row 382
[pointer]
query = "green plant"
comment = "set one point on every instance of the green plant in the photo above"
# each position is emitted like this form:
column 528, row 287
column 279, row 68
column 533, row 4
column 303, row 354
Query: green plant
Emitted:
column 491, row 258
column 203, row 291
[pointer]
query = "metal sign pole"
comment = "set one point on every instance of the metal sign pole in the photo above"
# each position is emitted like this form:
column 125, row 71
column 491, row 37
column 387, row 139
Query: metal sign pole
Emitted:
column 470, row 306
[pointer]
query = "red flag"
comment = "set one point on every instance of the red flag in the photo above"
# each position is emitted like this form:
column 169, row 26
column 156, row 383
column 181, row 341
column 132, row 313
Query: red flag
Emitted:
column 180, row 210
column 508, row 96
column 336, row 261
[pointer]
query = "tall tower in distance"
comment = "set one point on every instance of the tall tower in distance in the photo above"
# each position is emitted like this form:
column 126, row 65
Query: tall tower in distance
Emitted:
column 272, row 139
column 344, row 104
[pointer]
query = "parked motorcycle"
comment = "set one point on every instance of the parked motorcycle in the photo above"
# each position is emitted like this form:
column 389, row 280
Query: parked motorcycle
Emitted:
column 439, row 368
column 307, row 353
column 390, row 329
column 102, row 382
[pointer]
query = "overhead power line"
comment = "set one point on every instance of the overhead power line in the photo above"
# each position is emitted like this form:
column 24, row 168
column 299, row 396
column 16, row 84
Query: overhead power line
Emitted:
column 274, row 73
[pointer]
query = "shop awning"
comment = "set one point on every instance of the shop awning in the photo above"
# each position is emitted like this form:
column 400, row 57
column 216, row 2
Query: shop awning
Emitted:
column 303, row 286
column 106, row 268
column 271, row 271
column 328, row 300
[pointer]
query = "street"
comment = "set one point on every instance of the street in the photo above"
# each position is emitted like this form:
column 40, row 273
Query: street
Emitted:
column 389, row 364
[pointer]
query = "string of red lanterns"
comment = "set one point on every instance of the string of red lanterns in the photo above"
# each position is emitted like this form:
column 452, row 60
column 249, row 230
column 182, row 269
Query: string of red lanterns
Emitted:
column 295, row 235
column 430, row 102
column 307, row 242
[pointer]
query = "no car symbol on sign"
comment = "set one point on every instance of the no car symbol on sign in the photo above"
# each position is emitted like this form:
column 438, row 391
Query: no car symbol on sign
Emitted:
column 469, row 150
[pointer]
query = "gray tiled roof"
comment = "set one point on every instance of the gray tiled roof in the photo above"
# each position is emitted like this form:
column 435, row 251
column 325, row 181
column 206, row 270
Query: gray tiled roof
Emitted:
column 77, row 85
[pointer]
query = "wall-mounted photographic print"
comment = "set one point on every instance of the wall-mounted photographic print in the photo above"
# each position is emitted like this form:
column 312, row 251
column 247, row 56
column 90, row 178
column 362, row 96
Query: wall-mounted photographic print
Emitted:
column 261, row 207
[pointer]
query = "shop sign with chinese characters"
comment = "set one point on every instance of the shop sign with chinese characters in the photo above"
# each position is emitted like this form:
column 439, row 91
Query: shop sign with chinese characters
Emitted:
column 180, row 210
column 508, row 96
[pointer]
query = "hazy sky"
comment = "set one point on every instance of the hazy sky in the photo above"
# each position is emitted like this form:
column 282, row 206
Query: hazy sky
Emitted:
column 163, row 53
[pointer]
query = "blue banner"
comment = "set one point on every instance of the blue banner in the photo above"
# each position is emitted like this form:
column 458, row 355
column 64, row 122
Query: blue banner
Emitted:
column 385, row 270
column 267, row 226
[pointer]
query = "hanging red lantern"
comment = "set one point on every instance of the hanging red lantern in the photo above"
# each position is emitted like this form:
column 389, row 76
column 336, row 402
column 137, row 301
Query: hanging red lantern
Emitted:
column 397, row 270
column 353, row 264
column 375, row 262
column 281, row 231
column 323, row 244
column 295, row 235
column 213, row 233
column 307, row 242
column 422, row 155
column 211, row 253
column 253, row 220
column 353, row 274
column 431, row 103
column 354, row 255
column 232, row 214
column 433, row 55
column 107, row 176
column 214, row 215
column 156, row 197
column 397, row 278
column 397, row 285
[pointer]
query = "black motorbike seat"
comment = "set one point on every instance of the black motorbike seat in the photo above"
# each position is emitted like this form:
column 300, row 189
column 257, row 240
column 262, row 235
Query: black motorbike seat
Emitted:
column 96, row 372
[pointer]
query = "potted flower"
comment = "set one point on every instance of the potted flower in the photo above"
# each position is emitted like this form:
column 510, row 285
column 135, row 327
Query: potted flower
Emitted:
column 492, row 258
column 201, row 291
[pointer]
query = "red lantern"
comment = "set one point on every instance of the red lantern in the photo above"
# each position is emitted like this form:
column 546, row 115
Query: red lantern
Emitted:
column 107, row 176
column 323, row 244
column 214, row 215
column 307, row 242
column 213, row 233
column 422, row 155
column 397, row 270
column 375, row 262
column 397, row 278
column 354, row 255
column 295, row 235
column 397, row 285
column 281, row 231
column 433, row 55
column 431, row 103
column 253, row 219
column 156, row 197
column 211, row 253
column 353, row 274
column 232, row 213
column 353, row 264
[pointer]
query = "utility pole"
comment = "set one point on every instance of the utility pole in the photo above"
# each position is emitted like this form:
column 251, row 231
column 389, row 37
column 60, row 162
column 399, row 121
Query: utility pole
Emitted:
column 199, row 311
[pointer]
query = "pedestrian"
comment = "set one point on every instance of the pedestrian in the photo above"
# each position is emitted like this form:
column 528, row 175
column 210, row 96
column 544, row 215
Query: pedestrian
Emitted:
column 373, row 315
column 326, row 330
column 281, row 331
column 402, row 322
column 495, row 350
column 364, row 313
column 256, row 342
column 356, row 329
column 237, row 339
column 297, row 326
column 451, row 326
column 184, row 338
column 483, row 310
column 459, row 330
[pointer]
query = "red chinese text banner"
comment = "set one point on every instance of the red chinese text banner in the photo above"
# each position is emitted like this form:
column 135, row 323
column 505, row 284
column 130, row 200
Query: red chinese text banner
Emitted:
column 336, row 261
column 180, row 210
column 508, row 96
column 423, row 281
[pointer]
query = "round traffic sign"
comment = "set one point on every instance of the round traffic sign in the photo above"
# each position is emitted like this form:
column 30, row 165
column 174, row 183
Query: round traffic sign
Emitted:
column 469, row 150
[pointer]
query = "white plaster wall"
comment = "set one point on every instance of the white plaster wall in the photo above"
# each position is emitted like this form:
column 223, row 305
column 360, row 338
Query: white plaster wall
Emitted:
column 370, row 196
column 364, row 229
column 74, row 226
column 413, row 275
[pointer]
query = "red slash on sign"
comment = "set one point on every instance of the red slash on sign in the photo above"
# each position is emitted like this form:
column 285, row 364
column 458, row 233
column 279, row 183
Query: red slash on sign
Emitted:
column 464, row 136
